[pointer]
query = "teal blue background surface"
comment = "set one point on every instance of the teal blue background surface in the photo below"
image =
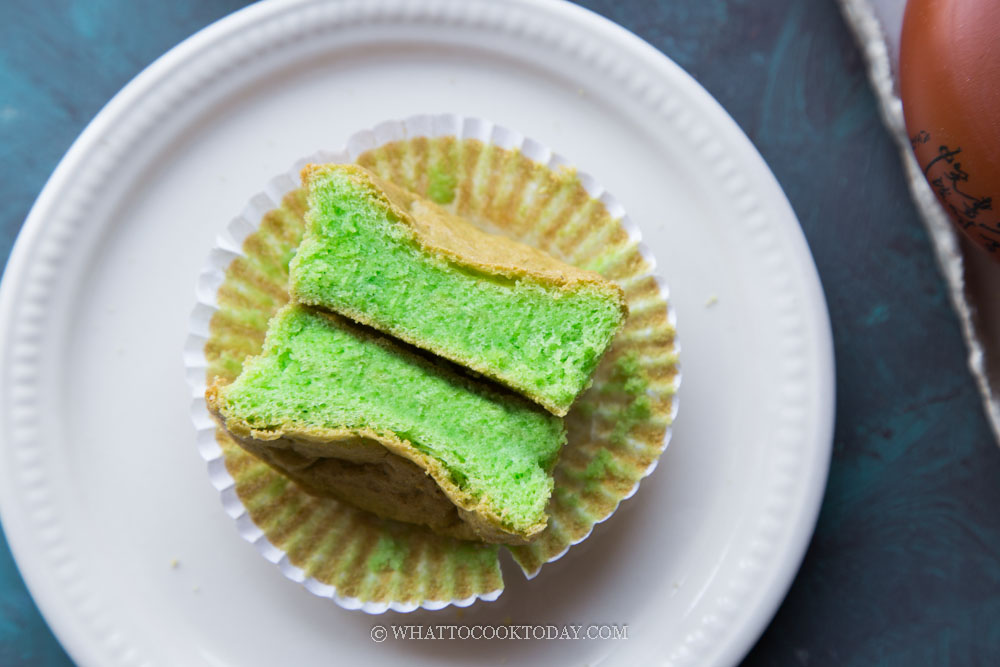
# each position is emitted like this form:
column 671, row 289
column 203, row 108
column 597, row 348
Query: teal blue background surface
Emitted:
column 904, row 568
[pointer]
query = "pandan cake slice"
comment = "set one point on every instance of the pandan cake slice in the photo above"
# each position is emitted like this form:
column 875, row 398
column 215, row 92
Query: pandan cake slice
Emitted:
column 346, row 412
column 392, row 260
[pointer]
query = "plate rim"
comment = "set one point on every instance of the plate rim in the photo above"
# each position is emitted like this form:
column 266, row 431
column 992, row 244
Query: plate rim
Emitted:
column 66, row 623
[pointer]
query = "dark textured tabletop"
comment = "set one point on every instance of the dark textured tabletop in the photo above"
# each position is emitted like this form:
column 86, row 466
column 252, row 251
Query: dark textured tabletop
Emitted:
column 904, row 567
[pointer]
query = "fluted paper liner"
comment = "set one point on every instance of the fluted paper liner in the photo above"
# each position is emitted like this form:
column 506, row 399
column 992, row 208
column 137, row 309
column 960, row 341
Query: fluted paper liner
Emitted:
column 617, row 429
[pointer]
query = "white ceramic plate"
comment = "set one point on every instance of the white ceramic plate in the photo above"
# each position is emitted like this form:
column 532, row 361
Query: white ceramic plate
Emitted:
column 101, row 486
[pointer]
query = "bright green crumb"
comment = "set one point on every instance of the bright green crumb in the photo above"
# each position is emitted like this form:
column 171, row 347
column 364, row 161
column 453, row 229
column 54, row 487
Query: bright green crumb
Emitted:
column 318, row 371
column 358, row 259
column 389, row 554
column 628, row 377
column 441, row 186
column 598, row 470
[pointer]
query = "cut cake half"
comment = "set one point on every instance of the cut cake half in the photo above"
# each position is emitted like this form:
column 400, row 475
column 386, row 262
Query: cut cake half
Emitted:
column 347, row 413
column 394, row 261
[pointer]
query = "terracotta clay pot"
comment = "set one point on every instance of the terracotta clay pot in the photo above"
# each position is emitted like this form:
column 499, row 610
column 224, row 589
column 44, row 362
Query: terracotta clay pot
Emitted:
column 949, row 67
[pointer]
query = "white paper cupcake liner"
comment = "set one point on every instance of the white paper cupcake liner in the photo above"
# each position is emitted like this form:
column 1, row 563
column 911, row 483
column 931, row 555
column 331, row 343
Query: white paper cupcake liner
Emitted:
column 509, row 184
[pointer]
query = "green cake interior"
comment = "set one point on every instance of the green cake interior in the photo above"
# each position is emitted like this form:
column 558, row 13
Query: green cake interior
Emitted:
column 318, row 372
column 356, row 259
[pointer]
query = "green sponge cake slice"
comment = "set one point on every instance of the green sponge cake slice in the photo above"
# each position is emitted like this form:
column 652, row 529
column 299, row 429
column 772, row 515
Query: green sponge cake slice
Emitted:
column 346, row 412
column 389, row 259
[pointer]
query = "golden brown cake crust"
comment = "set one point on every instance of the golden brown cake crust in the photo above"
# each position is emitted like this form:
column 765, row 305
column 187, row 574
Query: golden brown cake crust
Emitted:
column 447, row 235
column 378, row 472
